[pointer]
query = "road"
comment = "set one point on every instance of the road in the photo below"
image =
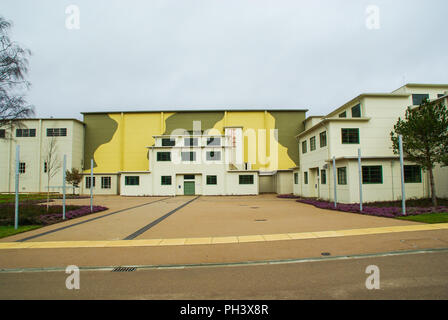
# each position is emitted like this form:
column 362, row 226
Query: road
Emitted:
column 404, row 276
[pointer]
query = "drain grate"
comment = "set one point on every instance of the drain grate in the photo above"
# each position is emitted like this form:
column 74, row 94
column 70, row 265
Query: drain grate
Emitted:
column 124, row 269
column 261, row 220
column 326, row 254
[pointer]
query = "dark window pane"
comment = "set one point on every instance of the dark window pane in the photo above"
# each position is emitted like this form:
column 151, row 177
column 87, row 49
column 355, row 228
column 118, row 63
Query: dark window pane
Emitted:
column 163, row 156
column 342, row 176
column 323, row 176
column 105, row 182
column 356, row 111
column 132, row 181
column 166, row 180
column 305, row 177
column 417, row 99
column 372, row 174
column 296, row 178
column 350, row 136
column 212, row 180
column 412, row 174
column 167, row 142
column 323, row 139
column 2, row 133
column 189, row 177
column 343, row 115
column 313, row 144
column 304, row 147
column 246, row 179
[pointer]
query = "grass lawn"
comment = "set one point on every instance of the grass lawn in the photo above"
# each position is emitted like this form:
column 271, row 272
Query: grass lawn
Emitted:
column 6, row 198
column 11, row 198
column 428, row 218
column 6, row 231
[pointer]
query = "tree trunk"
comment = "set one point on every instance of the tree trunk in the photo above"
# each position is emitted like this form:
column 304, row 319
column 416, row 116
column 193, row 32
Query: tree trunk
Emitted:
column 433, row 192
column 48, row 192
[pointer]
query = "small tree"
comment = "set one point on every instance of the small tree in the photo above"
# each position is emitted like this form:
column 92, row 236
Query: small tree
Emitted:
column 52, row 164
column 73, row 177
column 425, row 137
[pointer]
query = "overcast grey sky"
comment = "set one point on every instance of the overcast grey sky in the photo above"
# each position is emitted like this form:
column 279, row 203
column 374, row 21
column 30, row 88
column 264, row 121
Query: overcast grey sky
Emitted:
column 205, row 54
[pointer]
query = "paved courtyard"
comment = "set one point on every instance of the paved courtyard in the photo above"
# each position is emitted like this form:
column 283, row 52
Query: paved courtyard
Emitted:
column 138, row 218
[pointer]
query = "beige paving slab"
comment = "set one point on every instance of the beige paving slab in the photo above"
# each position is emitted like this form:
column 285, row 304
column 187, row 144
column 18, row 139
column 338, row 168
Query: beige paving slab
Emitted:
column 192, row 241
column 302, row 235
column 276, row 237
column 224, row 240
column 172, row 242
column 256, row 238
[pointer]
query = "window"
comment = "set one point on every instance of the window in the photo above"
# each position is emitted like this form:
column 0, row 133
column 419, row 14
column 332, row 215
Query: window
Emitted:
column 350, row 136
column 323, row 176
column 132, row 180
column 372, row 174
column 323, row 139
column 25, row 133
column 313, row 144
column 212, row 180
column 343, row 115
column 213, row 141
column 412, row 174
column 163, row 156
column 166, row 180
column 356, row 111
column 246, row 179
column 305, row 177
column 418, row 99
column 105, row 182
column 440, row 95
column 45, row 167
column 189, row 177
column 2, row 133
column 214, row 155
column 188, row 156
column 88, row 182
column 56, row 132
column 296, row 178
column 22, row 167
column 168, row 142
column 191, row 142
column 342, row 176
column 304, row 147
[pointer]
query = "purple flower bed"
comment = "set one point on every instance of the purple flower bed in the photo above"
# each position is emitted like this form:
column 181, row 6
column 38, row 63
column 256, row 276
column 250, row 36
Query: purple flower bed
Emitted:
column 47, row 219
column 389, row 212
column 287, row 196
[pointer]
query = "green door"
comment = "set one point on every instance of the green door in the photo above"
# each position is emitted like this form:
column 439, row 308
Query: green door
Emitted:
column 189, row 188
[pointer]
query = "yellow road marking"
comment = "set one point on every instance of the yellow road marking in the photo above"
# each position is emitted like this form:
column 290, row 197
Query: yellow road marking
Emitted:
column 219, row 240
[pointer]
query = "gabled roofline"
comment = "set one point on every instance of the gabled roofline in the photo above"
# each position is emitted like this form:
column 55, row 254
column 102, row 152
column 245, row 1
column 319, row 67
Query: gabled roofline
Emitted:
column 367, row 95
